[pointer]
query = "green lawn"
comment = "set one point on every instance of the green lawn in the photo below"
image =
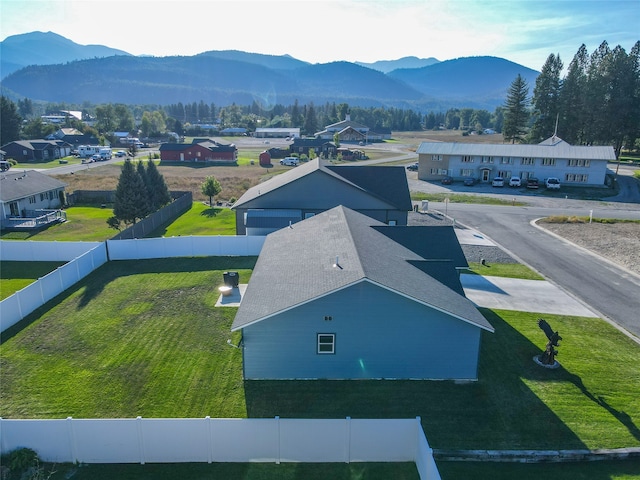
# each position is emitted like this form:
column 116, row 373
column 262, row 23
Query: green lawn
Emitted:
column 200, row 219
column 462, row 198
column 70, row 160
column 15, row 276
column 507, row 270
column 84, row 223
column 143, row 338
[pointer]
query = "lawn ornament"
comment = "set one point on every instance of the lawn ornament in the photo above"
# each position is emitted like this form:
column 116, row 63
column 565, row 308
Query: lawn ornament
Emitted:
column 548, row 358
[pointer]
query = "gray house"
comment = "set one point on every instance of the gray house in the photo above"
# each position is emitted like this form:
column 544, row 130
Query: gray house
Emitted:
column 343, row 296
column 379, row 192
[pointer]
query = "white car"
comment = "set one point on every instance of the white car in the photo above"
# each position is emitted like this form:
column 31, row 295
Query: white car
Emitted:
column 291, row 161
column 552, row 183
column 515, row 182
column 497, row 182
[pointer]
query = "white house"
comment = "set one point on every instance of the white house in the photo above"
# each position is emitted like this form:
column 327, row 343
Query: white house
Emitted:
column 573, row 165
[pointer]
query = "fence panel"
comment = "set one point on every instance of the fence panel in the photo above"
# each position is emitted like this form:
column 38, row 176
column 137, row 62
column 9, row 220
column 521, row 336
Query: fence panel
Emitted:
column 238, row 440
column 312, row 440
column 383, row 440
column 31, row 251
column 105, row 441
column 192, row 246
column 50, row 438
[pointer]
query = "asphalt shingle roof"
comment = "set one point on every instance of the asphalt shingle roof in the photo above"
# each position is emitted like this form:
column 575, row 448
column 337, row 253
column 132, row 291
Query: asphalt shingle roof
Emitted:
column 17, row 185
column 336, row 249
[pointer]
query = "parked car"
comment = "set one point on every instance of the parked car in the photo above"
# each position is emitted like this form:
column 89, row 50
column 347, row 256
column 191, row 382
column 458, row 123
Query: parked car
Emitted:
column 533, row 183
column 413, row 167
column 515, row 182
column 290, row 161
column 121, row 153
column 469, row 181
column 497, row 182
column 553, row 183
column 447, row 180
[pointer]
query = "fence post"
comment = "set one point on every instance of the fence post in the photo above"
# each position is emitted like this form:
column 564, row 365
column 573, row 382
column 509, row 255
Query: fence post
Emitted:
column 348, row 439
column 72, row 441
column 209, row 439
column 140, row 439
column 278, row 434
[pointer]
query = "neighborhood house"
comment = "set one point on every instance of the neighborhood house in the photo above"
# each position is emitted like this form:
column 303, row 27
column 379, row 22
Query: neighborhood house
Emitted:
column 572, row 165
column 29, row 199
column 36, row 150
column 343, row 296
column 201, row 150
column 377, row 191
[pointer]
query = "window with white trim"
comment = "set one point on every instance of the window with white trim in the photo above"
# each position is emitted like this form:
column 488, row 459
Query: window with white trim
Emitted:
column 548, row 162
column 579, row 162
column 436, row 158
column 506, row 160
column 527, row 161
column 326, row 343
column 32, row 199
column 466, row 172
column 487, row 160
column 467, row 159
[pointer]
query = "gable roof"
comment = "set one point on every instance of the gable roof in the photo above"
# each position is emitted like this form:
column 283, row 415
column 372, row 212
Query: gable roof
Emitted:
column 547, row 149
column 14, row 186
column 388, row 184
column 345, row 251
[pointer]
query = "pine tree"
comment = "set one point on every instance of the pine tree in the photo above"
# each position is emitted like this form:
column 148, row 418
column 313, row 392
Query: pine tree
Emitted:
column 157, row 189
column 571, row 126
column 516, row 111
column 10, row 121
column 131, row 202
column 545, row 100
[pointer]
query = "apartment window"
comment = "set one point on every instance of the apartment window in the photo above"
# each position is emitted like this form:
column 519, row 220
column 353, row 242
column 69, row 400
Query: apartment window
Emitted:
column 467, row 159
column 436, row 158
column 504, row 174
column 486, row 160
column 466, row 172
column 52, row 194
column 576, row 178
column 43, row 197
column 326, row 343
column 506, row 160
column 527, row 161
column 438, row 171
column 579, row 162
column 32, row 199
column 548, row 162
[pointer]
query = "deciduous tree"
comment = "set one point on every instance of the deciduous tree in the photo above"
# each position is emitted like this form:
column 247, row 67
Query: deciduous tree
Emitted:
column 210, row 187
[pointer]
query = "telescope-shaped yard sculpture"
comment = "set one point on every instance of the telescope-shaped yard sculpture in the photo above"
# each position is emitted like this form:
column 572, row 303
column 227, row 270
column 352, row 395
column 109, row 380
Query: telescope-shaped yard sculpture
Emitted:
column 548, row 358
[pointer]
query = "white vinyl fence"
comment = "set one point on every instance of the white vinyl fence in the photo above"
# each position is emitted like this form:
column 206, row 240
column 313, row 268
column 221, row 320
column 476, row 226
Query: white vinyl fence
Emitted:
column 84, row 258
column 223, row 440
column 191, row 246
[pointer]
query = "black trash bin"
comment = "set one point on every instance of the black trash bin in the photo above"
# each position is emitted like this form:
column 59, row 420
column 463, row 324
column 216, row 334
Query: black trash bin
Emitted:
column 231, row 279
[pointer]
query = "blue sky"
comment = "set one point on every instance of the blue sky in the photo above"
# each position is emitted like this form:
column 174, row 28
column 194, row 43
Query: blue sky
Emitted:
column 320, row 31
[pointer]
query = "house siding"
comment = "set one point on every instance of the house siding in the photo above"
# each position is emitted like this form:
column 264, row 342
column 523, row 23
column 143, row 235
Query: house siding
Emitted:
column 379, row 334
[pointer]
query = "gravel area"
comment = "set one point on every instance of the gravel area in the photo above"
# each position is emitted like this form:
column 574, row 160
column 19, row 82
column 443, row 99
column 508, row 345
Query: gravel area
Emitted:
column 617, row 242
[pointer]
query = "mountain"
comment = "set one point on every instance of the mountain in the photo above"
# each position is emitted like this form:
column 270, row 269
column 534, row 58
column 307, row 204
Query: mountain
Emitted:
column 386, row 66
column 484, row 79
column 40, row 48
column 60, row 72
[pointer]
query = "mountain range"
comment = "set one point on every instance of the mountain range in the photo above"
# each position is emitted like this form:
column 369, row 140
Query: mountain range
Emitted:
column 48, row 67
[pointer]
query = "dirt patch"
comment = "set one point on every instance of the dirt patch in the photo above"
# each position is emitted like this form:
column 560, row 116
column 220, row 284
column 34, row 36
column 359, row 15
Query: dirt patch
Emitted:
column 617, row 242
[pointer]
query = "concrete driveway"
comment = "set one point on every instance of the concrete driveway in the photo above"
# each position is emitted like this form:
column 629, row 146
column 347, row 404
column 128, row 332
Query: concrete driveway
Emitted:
column 537, row 296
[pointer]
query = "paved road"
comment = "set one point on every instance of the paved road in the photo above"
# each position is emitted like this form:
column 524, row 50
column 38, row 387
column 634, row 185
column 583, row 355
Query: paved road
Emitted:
column 607, row 289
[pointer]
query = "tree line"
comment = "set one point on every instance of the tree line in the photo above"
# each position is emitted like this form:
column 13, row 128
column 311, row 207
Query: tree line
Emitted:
column 597, row 102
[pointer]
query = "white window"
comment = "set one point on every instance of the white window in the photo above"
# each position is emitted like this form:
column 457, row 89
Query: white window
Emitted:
column 466, row 172
column 487, row 160
column 326, row 343
column 579, row 162
column 548, row 162
column 527, row 161
column 506, row 160
column 467, row 159
column 436, row 158
column 32, row 199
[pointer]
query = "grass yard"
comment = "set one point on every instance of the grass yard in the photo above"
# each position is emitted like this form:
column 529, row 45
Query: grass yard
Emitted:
column 15, row 276
column 463, row 198
column 249, row 471
column 507, row 270
column 47, row 164
column 143, row 338
column 84, row 223
column 200, row 219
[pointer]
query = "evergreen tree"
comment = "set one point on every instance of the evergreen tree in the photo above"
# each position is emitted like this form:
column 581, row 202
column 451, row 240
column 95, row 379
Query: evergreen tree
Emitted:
column 211, row 187
column 310, row 124
column 131, row 202
column 571, row 126
column 10, row 121
column 516, row 113
column 157, row 189
column 545, row 100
